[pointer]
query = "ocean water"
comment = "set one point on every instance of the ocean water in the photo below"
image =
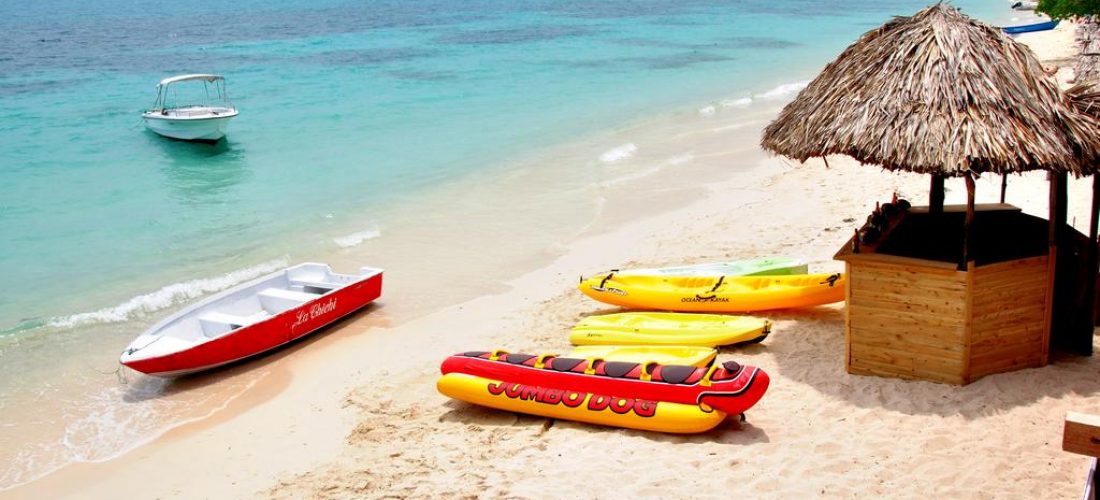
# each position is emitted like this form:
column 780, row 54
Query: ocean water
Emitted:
column 412, row 133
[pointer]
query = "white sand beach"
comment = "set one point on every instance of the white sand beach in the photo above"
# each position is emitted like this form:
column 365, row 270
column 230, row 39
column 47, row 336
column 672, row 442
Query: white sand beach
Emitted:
column 354, row 413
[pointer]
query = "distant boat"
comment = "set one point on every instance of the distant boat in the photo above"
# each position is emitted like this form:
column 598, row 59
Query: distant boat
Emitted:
column 251, row 318
column 1025, row 5
column 205, row 121
column 1028, row 28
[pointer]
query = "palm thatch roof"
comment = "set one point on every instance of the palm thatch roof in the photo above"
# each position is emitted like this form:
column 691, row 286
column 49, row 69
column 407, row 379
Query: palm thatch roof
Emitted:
column 937, row 93
column 1085, row 97
column 1088, row 58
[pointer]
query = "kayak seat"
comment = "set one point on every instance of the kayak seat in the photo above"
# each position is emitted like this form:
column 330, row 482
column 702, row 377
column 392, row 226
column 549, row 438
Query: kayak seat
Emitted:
column 277, row 300
column 216, row 323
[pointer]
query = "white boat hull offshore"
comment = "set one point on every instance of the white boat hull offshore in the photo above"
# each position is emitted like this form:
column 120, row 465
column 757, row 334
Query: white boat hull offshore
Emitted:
column 204, row 114
column 209, row 127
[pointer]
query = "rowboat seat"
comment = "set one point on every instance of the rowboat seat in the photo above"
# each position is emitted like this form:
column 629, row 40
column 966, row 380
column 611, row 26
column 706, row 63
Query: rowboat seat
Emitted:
column 215, row 323
column 277, row 300
column 316, row 287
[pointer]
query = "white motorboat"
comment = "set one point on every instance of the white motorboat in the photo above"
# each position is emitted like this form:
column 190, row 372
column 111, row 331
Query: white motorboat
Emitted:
column 205, row 121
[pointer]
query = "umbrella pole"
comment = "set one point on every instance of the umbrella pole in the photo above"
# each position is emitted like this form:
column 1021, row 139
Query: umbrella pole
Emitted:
column 1093, row 267
column 935, row 195
column 969, row 224
column 1004, row 185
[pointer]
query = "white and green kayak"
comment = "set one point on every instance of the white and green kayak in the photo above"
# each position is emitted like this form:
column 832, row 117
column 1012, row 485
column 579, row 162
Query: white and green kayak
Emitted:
column 767, row 266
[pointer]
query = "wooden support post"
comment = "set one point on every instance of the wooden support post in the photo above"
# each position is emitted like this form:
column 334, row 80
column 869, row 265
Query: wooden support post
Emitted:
column 1093, row 267
column 935, row 195
column 1004, row 186
column 1059, row 202
column 968, row 225
column 1063, row 200
column 1052, row 243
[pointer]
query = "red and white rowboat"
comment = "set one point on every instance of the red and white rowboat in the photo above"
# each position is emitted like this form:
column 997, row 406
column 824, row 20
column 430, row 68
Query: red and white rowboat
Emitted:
column 251, row 318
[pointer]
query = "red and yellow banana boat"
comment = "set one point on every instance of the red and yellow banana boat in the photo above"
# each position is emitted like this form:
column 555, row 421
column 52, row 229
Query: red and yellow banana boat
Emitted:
column 645, row 396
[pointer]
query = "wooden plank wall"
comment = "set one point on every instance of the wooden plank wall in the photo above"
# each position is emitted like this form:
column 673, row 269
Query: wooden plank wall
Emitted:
column 907, row 321
column 1009, row 316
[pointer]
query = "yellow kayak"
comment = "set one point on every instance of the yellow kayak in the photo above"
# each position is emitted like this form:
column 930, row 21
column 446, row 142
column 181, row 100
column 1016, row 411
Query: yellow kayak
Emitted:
column 718, row 294
column 665, row 329
column 686, row 355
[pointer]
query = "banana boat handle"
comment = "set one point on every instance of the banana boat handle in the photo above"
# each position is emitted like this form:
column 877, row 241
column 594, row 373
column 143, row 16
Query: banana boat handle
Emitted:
column 729, row 387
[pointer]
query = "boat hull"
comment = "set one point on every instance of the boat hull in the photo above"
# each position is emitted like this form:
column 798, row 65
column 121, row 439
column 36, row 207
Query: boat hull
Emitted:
column 263, row 336
column 189, row 129
column 1029, row 28
column 715, row 294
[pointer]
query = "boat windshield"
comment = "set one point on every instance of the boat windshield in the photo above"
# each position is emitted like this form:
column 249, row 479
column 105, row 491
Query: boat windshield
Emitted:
column 192, row 94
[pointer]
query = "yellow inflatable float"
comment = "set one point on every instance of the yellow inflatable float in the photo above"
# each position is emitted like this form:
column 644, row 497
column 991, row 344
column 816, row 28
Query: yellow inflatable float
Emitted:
column 645, row 396
column 669, row 329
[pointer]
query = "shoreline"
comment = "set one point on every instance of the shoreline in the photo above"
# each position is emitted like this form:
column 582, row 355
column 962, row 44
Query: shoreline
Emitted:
column 362, row 397
column 239, row 382
column 540, row 238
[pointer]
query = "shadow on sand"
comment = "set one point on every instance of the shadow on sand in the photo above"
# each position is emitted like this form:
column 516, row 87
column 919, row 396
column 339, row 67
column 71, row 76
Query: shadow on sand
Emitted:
column 808, row 347
column 728, row 432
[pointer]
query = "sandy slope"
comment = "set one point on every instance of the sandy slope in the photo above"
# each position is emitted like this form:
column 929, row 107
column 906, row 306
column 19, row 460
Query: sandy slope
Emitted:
column 357, row 415
column 818, row 431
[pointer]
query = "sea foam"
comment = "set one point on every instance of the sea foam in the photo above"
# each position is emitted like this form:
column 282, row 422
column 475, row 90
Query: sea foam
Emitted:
column 104, row 429
column 784, row 90
column 167, row 296
column 777, row 92
column 645, row 172
column 740, row 102
column 357, row 238
column 619, row 153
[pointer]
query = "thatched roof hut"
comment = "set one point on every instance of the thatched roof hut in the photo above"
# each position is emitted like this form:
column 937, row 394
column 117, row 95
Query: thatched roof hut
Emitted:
column 942, row 94
column 938, row 93
column 1085, row 97
column 1088, row 58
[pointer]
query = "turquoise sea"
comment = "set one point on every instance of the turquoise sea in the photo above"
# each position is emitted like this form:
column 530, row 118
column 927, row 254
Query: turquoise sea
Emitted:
column 354, row 115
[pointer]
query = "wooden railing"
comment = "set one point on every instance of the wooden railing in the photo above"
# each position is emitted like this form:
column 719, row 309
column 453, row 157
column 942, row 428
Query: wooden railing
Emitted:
column 1082, row 436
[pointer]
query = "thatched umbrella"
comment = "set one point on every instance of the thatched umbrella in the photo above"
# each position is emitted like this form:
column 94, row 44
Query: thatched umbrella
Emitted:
column 942, row 94
column 1085, row 97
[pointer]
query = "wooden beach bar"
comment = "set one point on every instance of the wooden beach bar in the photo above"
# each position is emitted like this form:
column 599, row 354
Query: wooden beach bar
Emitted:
column 911, row 313
column 954, row 293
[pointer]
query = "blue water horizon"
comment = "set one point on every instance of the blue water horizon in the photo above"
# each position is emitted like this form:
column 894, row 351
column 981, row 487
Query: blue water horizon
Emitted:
column 353, row 115
column 344, row 105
